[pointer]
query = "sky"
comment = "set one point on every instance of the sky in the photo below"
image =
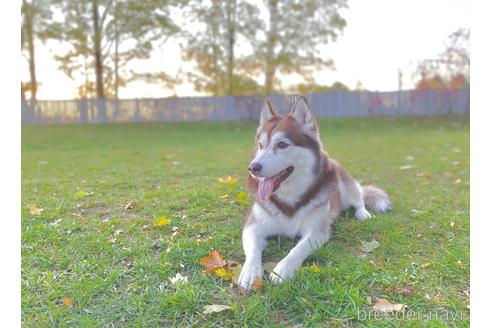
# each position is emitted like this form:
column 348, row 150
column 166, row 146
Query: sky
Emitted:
column 381, row 37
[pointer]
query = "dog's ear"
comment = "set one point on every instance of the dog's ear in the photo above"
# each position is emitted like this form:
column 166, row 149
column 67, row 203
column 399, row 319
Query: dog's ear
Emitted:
column 301, row 113
column 267, row 112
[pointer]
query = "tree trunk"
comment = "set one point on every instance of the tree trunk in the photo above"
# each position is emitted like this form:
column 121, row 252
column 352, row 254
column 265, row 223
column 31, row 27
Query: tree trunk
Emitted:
column 101, row 102
column 30, row 44
column 231, row 25
column 116, row 52
column 97, row 52
column 270, row 66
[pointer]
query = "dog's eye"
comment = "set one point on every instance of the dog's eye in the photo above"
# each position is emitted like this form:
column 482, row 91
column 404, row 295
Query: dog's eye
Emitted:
column 282, row 145
column 260, row 145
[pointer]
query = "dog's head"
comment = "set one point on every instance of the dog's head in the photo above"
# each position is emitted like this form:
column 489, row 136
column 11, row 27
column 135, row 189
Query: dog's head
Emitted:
column 287, row 148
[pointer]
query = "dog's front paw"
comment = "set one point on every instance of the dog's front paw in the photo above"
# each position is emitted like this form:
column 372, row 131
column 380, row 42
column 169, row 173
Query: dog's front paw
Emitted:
column 248, row 275
column 362, row 214
column 283, row 270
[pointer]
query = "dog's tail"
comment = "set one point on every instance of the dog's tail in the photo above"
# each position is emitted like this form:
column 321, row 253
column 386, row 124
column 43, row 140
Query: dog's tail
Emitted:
column 376, row 199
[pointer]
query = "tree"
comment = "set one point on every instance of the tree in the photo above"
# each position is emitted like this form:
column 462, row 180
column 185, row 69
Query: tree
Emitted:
column 107, row 35
column 34, row 14
column 292, row 35
column 451, row 68
column 304, row 88
column 222, row 24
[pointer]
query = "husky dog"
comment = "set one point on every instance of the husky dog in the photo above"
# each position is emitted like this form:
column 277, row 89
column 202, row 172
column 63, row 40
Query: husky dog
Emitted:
column 298, row 190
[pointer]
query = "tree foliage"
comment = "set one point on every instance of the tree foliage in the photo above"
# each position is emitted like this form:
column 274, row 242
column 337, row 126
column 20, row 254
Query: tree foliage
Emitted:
column 216, row 29
column 104, row 36
column 451, row 68
column 34, row 15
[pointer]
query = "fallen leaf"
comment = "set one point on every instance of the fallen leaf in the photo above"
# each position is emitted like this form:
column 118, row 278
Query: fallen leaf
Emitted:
column 407, row 167
column 389, row 289
column 178, row 279
column 241, row 197
column 228, row 181
column 426, row 265
column 438, row 299
column 257, row 284
column 269, row 266
column 461, row 264
column 224, row 196
column 385, row 306
column 315, row 268
column 34, row 210
column 213, row 308
column 424, row 174
column 82, row 194
column 368, row 247
column 405, row 290
column 161, row 222
column 68, row 301
column 222, row 273
column 212, row 262
column 129, row 206
column 235, row 270
column 457, row 181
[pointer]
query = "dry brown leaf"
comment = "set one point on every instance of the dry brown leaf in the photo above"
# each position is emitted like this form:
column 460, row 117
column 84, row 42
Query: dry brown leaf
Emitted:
column 384, row 306
column 68, row 301
column 235, row 269
column 34, row 210
column 406, row 290
column 257, row 284
column 129, row 206
column 212, row 262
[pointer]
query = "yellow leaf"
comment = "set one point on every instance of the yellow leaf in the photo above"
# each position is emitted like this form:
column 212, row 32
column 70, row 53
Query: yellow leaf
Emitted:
column 161, row 222
column 228, row 181
column 224, row 196
column 82, row 194
column 315, row 268
column 257, row 284
column 426, row 265
column 222, row 273
column 452, row 224
column 34, row 210
column 240, row 198
column 68, row 301
column 438, row 299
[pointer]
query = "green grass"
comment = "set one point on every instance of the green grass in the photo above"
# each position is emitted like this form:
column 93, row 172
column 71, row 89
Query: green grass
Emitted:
column 116, row 266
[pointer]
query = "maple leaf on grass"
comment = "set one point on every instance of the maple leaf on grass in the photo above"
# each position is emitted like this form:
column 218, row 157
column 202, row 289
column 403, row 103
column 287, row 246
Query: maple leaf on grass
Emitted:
column 212, row 262
column 34, row 210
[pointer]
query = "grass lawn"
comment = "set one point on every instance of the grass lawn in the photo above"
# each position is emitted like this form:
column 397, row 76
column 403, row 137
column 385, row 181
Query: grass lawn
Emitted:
column 115, row 266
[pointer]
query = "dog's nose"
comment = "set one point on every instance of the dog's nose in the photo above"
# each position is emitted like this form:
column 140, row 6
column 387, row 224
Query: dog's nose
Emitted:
column 255, row 168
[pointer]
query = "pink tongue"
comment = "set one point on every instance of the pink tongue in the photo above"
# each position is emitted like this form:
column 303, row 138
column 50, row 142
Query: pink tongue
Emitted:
column 265, row 188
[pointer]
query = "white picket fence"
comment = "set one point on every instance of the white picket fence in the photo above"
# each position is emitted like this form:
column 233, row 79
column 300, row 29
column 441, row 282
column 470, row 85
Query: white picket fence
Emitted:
column 232, row 108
